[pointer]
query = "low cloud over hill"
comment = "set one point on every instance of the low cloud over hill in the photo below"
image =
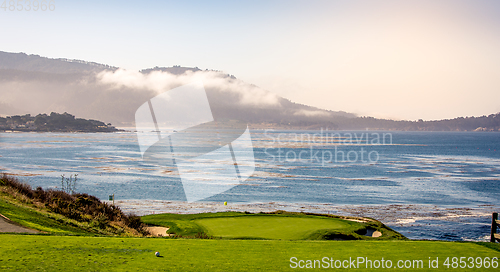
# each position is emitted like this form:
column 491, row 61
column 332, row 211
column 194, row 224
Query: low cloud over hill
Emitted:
column 31, row 84
column 34, row 84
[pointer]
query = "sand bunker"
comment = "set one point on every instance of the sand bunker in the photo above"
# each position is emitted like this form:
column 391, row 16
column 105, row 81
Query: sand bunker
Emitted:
column 158, row 231
column 373, row 233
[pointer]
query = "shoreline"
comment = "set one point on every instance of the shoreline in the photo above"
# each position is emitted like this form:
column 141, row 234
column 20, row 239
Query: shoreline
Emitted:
column 387, row 211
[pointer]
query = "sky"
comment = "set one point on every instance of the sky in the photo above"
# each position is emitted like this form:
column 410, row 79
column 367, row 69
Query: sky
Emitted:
column 403, row 60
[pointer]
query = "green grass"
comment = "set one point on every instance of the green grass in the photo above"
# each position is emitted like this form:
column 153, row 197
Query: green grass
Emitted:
column 89, row 253
column 279, row 225
column 267, row 227
column 83, row 253
column 45, row 222
column 302, row 236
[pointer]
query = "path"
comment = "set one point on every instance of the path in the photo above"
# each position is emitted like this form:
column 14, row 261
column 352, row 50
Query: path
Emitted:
column 9, row 226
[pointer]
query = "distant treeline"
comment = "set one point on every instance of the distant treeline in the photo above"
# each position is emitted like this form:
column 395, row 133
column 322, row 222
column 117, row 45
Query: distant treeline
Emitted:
column 483, row 123
column 54, row 122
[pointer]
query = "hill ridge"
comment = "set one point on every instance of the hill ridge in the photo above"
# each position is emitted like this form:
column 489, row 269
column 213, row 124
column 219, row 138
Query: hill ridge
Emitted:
column 33, row 84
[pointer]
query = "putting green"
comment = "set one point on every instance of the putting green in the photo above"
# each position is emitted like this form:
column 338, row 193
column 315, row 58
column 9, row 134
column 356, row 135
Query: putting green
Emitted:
column 279, row 225
column 270, row 227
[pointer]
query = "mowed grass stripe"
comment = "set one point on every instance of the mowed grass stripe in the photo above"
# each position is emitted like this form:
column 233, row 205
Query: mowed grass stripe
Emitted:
column 268, row 227
column 84, row 253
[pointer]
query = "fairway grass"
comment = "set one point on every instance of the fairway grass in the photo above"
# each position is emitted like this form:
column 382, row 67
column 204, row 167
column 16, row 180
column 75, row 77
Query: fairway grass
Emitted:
column 84, row 253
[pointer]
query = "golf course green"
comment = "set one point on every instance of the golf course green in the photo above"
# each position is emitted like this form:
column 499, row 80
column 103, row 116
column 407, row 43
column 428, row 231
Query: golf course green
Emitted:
column 291, row 228
column 226, row 241
column 279, row 225
column 236, row 243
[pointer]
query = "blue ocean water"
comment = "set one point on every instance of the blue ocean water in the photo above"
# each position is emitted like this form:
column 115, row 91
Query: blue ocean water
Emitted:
column 446, row 170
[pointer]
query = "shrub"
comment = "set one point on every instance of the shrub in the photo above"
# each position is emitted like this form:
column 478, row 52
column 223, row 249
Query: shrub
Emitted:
column 80, row 207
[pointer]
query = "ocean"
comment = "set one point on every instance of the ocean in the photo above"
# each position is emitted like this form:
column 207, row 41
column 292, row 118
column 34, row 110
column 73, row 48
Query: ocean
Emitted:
column 426, row 185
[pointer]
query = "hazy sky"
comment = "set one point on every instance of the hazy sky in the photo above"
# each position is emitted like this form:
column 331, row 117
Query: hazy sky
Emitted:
column 391, row 59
